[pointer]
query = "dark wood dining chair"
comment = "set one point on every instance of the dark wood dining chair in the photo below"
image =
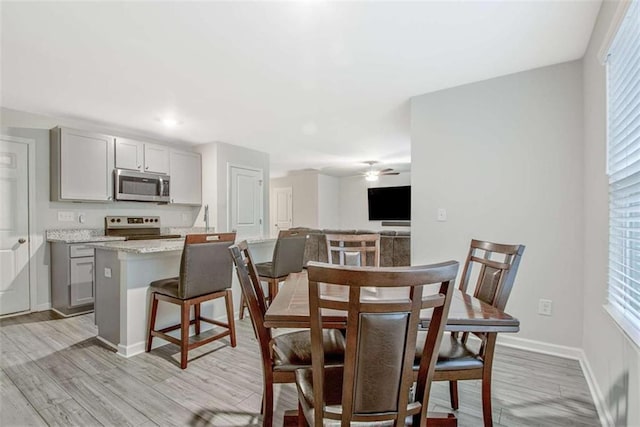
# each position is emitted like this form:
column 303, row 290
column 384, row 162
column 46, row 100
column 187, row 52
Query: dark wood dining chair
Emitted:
column 288, row 256
column 283, row 354
column 373, row 386
column 494, row 267
column 353, row 249
column 205, row 274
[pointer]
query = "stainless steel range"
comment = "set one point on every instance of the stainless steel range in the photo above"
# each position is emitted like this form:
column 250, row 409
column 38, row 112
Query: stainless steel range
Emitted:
column 135, row 227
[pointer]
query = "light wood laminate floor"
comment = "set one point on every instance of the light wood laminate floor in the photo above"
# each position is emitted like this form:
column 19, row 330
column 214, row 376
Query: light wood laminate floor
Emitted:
column 55, row 372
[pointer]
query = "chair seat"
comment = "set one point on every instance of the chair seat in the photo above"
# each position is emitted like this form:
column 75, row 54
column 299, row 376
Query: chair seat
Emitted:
column 293, row 350
column 167, row 287
column 265, row 269
column 453, row 354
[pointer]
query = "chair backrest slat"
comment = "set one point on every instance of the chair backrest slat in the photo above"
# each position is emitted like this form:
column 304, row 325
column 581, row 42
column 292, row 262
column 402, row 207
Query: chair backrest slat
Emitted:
column 495, row 277
column 381, row 337
column 353, row 249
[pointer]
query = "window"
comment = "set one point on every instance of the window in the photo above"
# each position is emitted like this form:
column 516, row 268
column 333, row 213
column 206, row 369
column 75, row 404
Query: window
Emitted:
column 623, row 94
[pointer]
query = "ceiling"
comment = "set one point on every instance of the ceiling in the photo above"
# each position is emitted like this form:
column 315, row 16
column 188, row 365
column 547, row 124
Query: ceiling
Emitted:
column 317, row 84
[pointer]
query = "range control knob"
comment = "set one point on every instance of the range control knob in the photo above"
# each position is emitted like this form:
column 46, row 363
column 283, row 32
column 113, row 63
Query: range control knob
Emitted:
column 113, row 220
column 156, row 220
column 118, row 220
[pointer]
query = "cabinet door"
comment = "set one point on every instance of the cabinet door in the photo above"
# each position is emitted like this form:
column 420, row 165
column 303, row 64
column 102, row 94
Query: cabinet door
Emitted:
column 81, row 281
column 186, row 177
column 86, row 166
column 129, row 154
column 156, row 158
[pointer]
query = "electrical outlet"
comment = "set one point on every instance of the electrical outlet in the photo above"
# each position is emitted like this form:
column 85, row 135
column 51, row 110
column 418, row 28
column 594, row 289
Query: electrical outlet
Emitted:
column 442, row 214
column 544, row 307
column 107, row 272
column 66, row 216
column 82, row 217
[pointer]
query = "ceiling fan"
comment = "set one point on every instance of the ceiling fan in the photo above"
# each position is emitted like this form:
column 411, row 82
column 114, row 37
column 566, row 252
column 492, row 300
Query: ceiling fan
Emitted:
column 373, row 175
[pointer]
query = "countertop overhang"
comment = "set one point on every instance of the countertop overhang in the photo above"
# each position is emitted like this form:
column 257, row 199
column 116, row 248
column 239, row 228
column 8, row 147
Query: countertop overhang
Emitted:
column 155, row 246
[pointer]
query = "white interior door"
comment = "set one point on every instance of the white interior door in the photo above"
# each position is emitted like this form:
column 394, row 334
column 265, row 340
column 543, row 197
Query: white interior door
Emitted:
column 14, row 227
column 283, row 211
column 245, row 201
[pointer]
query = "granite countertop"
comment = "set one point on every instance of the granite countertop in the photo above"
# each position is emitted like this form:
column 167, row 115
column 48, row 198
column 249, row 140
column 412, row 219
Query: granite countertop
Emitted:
column 156, row 246
column 79, row 235
column 141, row 246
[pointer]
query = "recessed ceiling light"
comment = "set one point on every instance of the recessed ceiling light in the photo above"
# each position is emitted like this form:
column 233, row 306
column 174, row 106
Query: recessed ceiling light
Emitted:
column 309, row 128
column 170, row 122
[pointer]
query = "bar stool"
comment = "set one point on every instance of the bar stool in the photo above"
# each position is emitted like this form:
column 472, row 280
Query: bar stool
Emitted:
column 288, row 257
column 205, row 274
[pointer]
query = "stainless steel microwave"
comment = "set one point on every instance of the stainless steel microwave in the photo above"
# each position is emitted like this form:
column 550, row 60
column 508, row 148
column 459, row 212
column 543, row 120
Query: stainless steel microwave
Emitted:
column 141, row 186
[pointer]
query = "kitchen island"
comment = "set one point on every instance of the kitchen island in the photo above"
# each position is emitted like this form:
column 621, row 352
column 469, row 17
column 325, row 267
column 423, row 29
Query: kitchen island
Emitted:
column 124, row 270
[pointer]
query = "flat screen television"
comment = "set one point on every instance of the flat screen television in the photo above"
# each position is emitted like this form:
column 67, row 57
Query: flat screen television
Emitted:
column 390, row 203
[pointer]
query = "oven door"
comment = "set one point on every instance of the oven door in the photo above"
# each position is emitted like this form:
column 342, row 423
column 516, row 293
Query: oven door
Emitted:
column 141, row 186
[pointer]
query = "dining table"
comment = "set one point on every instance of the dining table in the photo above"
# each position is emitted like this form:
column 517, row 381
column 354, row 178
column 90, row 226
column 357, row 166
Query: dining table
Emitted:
column 290, row 309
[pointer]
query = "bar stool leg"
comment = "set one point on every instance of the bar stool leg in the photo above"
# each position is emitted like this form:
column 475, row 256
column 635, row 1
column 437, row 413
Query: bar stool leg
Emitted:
column 453, row 394
column 196, row 313
column 273, row 289
column 228, row 297
column 152, row 320
column 243, row 304
column 184, row 333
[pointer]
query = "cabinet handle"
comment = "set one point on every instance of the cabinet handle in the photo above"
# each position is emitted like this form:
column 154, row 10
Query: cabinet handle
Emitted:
column 22, row 241
column 139, row 166
column 147, row 167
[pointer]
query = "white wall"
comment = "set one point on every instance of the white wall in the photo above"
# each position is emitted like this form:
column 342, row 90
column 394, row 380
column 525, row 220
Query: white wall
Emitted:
column 614, row 360
column 36, row 127
column 304, row 192
column 328, row 202
column 354, row 209
column 504, row 157
column 209, row 153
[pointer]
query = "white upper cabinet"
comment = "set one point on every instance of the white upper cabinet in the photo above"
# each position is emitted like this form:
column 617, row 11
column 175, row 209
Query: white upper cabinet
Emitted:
column 129, row 154
column 141, row 156
column 156, row 158
column 185, row 170
column 81, row 165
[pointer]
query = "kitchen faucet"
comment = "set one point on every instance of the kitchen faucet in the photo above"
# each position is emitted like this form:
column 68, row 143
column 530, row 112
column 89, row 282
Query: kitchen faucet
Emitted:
column 206, row 218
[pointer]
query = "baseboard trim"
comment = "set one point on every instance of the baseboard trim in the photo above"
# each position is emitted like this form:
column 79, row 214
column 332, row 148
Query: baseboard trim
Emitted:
column 566, row 352
column 42, row 307
column 574, row 353
column 603, row 411
column 110, row 345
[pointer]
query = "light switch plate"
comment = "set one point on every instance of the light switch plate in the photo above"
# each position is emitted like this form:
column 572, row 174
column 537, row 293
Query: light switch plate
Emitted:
column 545, row 307
column 442, row 214
column 66, row 216
column 107, row 272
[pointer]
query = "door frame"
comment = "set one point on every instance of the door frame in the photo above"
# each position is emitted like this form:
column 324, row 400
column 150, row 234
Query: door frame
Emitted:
column 31, row 227
column 231, row 165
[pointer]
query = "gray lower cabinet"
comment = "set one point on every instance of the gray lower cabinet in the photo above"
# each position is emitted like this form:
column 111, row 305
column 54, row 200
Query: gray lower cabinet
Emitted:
column 72, row 278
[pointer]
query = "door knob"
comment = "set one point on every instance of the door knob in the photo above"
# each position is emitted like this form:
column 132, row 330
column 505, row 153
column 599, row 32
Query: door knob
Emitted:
column 21, row 240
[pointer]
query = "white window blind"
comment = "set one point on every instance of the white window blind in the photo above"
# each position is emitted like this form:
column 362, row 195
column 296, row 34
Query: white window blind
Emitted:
column 623, row 75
